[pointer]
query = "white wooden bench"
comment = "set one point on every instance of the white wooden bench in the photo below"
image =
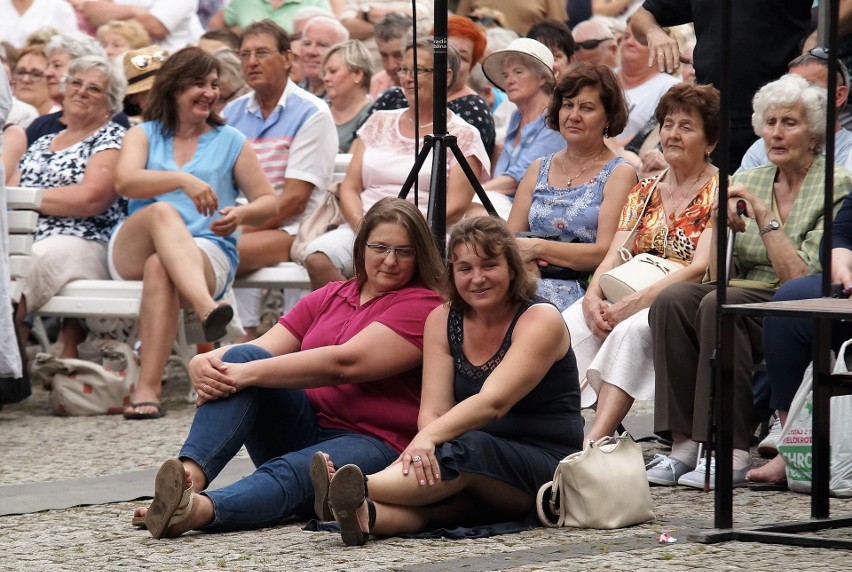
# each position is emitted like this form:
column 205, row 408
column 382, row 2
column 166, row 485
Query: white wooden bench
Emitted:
column 22, row 217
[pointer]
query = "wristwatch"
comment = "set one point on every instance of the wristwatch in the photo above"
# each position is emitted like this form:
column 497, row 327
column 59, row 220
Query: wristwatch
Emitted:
column 365, row 12
column 770, row 226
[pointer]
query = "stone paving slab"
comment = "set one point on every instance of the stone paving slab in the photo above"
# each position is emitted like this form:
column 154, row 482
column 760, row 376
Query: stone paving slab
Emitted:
column 38, row 447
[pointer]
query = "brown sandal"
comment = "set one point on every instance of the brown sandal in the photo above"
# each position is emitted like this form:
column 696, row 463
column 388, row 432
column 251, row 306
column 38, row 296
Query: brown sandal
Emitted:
column 347, row 492
column 172, row 503
column 320, row 481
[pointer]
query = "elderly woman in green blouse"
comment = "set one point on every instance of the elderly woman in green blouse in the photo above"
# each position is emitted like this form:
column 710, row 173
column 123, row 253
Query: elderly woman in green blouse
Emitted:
column 778, row 240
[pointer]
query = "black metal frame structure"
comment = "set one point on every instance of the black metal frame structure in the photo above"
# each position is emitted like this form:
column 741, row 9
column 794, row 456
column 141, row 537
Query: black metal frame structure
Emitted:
column 821, row 310
column 440, row 141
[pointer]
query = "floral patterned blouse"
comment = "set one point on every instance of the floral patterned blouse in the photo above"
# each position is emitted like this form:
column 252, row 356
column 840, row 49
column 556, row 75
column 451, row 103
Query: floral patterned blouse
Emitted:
column 47, row 169
column 656, row 233
column 571, row 212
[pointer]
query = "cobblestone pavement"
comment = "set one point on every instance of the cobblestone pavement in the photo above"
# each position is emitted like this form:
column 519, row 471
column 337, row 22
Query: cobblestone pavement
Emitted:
column 38, row 448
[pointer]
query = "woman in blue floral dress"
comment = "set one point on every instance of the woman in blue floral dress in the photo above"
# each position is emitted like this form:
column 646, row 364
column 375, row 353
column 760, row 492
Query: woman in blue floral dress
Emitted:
column 571, row 200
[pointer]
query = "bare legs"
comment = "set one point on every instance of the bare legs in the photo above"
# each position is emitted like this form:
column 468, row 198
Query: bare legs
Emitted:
column 613, row 405
column 404, row 506
column 202, row 507
column 321, row 270
column 155, row 246
column 263, row 248
column 775, row 471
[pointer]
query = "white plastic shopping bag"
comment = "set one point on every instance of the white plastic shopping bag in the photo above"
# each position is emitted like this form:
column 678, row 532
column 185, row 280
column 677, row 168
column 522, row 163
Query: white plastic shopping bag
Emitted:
column 795, row 441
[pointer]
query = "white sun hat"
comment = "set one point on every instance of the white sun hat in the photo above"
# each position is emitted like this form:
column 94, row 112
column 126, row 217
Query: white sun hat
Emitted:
column 527, row 48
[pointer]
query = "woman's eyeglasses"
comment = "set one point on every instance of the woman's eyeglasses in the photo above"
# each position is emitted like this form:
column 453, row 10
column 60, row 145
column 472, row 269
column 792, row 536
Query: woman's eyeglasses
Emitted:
column 401, row 71
column 590, row 44
column 21, row 73
column 402, row 253
column 90, row 89
column 144, row 61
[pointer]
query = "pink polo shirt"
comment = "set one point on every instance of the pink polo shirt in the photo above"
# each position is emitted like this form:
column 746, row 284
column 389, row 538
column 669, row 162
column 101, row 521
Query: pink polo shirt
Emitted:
column 387, row 408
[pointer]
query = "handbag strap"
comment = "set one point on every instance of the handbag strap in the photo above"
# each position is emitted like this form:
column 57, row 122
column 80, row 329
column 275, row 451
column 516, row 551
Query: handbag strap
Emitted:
column 622, row 250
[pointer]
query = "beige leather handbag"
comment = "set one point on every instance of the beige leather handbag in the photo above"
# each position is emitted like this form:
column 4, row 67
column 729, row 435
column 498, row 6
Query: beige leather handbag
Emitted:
column 603, row 486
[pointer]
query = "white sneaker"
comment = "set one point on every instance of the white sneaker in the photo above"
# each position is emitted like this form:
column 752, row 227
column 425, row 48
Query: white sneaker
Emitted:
column 695, row 478
column 768, row 448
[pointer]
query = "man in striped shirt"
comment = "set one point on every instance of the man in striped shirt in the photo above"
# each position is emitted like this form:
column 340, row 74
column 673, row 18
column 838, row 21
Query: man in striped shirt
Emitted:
column 295, row 139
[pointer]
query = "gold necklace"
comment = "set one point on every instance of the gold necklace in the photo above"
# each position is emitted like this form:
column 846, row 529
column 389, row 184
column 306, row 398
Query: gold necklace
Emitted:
column 423, row 126
column 686, row 194
column 581, row 171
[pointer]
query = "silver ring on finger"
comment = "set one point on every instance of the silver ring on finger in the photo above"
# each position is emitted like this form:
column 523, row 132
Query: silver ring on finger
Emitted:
column 416, row 459
column 205, row 387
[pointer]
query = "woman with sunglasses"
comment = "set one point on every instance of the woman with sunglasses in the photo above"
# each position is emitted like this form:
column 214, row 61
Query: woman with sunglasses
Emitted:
column 76, row 168
column 382, row 157
column 182, row 170
column 313, row 382
column 140, row 68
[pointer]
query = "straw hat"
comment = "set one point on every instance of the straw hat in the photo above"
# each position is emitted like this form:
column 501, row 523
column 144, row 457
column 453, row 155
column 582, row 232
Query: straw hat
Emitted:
column 141, row 67
column 527, row 48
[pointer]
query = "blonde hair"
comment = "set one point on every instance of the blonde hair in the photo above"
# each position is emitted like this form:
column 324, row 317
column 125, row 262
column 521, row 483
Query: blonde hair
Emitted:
column 130, row 30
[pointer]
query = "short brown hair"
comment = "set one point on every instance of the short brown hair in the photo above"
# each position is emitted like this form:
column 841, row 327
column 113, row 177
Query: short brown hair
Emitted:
column 179, row 71
column 490, row 237
column 270, row 28
column 688, row 97
column 430, row 267
column 596, row 76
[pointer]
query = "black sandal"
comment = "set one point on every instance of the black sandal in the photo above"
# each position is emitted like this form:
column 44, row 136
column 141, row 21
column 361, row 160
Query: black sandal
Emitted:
column 347, row 491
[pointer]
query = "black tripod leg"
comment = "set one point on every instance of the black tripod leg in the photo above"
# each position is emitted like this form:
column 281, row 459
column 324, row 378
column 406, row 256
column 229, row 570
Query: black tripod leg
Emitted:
column 428, row 143
column 471, row 177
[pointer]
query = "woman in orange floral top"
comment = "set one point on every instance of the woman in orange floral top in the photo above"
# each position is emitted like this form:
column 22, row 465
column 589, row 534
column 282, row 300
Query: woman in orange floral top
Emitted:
column 612, row 341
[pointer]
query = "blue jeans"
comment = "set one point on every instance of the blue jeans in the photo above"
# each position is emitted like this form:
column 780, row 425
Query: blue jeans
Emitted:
column 787, row 342
column 280, row 431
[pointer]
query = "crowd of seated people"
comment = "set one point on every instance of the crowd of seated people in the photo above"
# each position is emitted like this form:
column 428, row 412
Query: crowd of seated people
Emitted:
column 143, row 129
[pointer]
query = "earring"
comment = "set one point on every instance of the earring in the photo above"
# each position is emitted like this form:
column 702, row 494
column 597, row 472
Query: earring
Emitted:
column 606, row 132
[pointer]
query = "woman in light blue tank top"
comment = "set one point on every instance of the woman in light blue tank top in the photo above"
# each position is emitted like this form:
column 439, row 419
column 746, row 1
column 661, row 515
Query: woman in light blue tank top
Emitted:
column 181, row 171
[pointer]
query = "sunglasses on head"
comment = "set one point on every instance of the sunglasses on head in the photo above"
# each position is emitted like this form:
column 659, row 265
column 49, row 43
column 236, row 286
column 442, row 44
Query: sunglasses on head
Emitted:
column 590, row 44
column 821, row 54
column 144, row 61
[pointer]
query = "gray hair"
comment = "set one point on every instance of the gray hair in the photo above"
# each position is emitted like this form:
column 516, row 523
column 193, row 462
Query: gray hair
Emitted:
column 499, row 38
column 355, row 56
column 787, row 91
column 342, row 32
column 230, row 69
column 308, row 12
column 453, row 57
column 116, row 84
column 77, row 44
column 599, row 29
column 477, row 80
column 393, row 27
